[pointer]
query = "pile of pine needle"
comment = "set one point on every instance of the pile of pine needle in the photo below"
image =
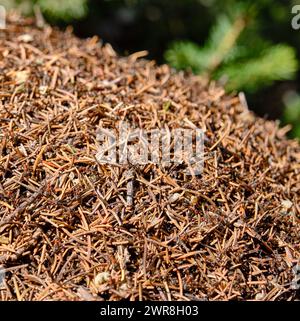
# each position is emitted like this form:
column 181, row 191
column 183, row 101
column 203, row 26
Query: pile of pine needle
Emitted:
column 67, row 231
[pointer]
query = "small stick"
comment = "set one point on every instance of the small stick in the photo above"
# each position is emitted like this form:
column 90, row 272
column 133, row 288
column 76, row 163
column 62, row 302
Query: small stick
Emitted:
column 15, row 256
column 22, row 207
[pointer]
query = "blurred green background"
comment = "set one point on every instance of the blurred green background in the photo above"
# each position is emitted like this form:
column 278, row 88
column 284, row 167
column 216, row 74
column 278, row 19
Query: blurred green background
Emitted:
column 244, row 45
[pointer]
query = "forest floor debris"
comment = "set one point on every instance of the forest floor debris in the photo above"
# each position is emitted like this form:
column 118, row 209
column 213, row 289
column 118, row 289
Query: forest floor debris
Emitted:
column 66, row 230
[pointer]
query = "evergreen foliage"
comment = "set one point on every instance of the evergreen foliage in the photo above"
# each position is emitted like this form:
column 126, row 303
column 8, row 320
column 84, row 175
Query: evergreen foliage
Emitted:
column 292, row 112
column 227, row 55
